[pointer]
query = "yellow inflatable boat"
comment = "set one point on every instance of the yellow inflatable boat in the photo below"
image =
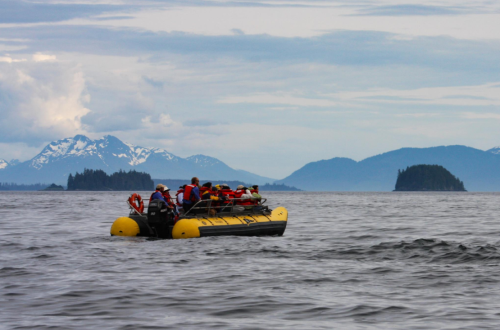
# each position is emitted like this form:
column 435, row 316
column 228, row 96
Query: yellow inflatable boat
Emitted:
column 160, row 222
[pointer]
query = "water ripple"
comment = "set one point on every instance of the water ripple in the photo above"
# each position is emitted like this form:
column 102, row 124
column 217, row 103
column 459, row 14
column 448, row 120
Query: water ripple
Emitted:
column 347, row 261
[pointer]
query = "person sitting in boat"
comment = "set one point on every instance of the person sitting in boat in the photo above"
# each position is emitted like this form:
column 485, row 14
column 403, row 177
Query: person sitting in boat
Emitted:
column 179, row 196
column 158, row 194
column 167, row 196
column 204, row 188
column 226, row 191
column 255, row 193
column 211, row 193
column 217, row 191
column 168, row 199
column 191, row 194
column 244, row 197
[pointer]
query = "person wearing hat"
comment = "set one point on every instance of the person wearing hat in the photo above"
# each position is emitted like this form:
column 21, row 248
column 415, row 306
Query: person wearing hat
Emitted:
column 158, row 194
column 245, row 192
column 167, row 196
column 243, row 196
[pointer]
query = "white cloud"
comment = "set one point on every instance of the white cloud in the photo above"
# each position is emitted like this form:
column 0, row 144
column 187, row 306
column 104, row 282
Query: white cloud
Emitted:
column 41, row 103
column 7, row 59
column 39, row 57
column 162, row 122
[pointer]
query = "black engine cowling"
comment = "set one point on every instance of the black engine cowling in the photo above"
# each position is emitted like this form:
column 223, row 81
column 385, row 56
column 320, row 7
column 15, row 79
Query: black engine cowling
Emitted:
column 160, row 218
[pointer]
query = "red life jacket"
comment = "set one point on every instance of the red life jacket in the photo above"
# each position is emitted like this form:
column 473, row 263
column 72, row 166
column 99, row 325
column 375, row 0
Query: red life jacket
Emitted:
column 227, row 193
column 177, row 195
column 187, row 193
column 238, row 194
column 202, row 190
column 168, row 198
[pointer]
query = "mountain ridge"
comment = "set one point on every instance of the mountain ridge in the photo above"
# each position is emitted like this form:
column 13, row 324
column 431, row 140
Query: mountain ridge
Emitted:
column 60, row 158
column 479, row 170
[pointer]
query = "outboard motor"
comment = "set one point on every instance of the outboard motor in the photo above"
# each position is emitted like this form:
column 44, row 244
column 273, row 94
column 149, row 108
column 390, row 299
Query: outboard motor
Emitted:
column 160, row 218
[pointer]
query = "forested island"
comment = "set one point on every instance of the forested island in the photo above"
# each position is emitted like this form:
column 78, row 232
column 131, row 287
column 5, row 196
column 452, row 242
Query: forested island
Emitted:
column 427, row 178
column 54, row 187
column 98, row 180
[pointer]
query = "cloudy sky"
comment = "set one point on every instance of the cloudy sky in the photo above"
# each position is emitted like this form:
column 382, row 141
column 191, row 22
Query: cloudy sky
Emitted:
column 266, row 86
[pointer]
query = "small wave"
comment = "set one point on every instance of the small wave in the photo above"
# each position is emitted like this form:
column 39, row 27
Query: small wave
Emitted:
column 362, row 313
column 14, row 271
column 423, row 249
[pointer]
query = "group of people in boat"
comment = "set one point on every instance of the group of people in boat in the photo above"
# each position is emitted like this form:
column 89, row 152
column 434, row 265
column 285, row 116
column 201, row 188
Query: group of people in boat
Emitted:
column 213, row 198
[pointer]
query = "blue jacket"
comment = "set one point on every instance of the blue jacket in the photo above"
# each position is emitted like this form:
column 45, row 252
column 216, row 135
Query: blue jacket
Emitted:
column 158, row 195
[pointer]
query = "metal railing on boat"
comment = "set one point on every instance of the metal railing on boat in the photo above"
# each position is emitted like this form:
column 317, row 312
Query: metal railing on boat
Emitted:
column 228, row 208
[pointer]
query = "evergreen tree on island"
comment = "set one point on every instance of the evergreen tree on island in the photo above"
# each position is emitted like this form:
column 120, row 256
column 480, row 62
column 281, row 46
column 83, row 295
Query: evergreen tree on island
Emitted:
column 99, row 180
column 427, row 178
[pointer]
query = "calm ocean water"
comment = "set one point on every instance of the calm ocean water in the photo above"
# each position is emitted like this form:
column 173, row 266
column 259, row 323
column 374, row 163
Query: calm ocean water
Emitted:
column 346, row 261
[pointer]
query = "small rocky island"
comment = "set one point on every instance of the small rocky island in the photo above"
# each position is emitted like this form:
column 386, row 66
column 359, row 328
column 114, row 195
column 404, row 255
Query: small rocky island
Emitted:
column 54, row 187
column 427, row 178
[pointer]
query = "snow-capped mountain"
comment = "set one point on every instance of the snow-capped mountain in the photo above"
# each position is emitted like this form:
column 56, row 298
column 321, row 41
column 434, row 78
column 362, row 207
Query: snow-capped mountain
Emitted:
column 3, row 164
column 110, row 150
column 60, row 158
column 204, row 161
column 495, row 150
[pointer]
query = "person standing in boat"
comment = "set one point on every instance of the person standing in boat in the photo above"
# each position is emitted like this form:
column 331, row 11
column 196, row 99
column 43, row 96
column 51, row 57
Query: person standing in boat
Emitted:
column 191, row 194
